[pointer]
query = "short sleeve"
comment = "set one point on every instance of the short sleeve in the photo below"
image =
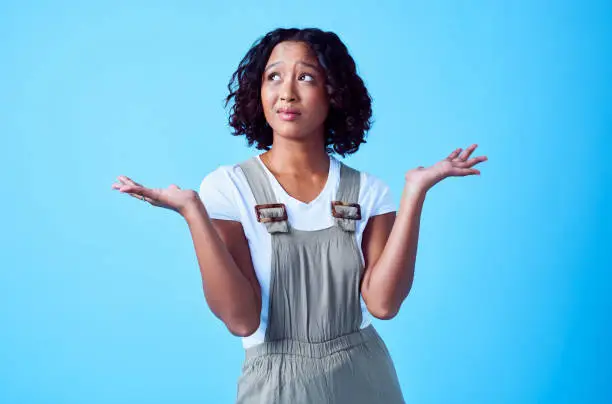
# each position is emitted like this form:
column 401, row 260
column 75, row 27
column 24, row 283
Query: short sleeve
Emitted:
column 377, row 196
column 217, row 193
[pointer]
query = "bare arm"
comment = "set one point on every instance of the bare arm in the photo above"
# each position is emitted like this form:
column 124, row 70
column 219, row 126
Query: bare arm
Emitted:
column 390, row 247
column 230, row 286
column 390, row 244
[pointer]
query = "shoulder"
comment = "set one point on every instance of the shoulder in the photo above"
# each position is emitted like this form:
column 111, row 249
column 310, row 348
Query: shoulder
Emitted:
column 224, row 177
column 369, row 183
column 221, row 190
column 372, row 184
column 376, row 195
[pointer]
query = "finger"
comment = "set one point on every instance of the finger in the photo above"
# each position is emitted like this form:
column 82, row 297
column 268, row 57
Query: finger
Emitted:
column 462, row 172
column 127, row 180
column 140, row 197
column 478, row 159
column 467, row 152
column 454, row 154
column 471, row 162
column 124, row 180
column 119, row 184
column 139, row 192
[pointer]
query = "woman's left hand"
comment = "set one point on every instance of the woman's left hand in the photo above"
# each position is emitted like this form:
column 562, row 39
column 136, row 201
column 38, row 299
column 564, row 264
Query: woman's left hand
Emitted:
column 421, row 179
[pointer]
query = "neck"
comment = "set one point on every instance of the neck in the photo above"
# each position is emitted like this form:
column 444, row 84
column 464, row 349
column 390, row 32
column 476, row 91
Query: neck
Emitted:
column 291, row 157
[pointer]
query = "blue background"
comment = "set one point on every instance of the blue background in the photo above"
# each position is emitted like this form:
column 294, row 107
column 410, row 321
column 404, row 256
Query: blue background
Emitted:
column 100, row 294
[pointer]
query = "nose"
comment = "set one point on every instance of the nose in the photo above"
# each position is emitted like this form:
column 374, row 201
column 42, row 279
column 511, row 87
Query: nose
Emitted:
column 287, row 93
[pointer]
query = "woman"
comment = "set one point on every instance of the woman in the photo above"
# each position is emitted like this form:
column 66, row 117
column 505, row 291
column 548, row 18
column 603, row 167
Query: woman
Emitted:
column 296, row 249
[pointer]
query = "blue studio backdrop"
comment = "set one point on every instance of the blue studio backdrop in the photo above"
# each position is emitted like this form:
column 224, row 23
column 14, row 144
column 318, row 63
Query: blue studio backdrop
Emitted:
column 100, row 295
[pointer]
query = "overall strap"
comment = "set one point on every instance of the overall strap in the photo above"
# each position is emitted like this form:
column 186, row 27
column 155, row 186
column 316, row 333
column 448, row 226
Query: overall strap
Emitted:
column 345, row 208
column 272, row 214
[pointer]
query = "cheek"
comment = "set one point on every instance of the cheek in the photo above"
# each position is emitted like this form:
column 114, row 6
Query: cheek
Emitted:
column 320, row 104
column 267, row 101
column 266, row 96
column 322, row 111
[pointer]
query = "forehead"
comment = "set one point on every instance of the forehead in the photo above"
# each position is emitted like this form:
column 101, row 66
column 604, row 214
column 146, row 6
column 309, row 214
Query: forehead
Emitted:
column 292, row 52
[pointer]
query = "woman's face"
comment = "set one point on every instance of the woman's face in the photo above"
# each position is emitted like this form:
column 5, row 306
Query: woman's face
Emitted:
column 293, row 92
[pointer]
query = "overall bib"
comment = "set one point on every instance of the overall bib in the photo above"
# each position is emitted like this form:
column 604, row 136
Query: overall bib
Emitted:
column 314, row 350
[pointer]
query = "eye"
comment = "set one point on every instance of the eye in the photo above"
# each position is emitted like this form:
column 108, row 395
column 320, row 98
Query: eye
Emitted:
column 306, row 77
column 273, row 76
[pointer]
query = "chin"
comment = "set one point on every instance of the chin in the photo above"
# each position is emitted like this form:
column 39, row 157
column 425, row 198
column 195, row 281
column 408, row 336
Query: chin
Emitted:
column 293, row 132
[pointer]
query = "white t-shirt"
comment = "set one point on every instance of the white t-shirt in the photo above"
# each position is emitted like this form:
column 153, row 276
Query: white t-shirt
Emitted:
column 227, row 196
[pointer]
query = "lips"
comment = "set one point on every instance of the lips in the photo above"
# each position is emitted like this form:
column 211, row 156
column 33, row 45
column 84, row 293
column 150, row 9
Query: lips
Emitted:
column 288, row 111
column 288, row 114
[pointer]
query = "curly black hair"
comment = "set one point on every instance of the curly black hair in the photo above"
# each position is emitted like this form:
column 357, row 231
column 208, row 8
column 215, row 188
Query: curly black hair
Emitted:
column 350, row 112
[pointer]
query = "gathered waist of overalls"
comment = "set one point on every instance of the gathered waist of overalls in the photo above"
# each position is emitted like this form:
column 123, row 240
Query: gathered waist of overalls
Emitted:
column 313, row 349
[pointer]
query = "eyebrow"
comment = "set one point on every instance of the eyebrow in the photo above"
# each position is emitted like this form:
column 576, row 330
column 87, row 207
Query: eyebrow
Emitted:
column 315, row 67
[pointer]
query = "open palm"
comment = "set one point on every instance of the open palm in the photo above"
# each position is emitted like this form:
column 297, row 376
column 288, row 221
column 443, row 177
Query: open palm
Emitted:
column 457, row 164
column 173, row 197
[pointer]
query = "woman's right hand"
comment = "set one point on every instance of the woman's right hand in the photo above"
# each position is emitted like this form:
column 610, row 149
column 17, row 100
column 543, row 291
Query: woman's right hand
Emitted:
column 173, row 197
